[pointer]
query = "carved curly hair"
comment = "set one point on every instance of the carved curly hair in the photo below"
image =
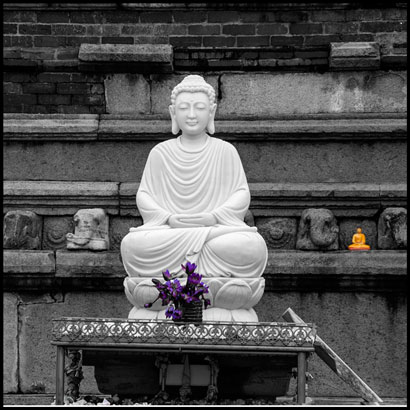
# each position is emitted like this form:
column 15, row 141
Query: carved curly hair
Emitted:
column 193, row 83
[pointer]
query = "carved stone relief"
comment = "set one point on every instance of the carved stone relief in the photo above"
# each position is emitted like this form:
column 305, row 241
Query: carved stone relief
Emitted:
column 91, row 230
column 55, row 231
column 279, row 233
column 22, row 230
column 119, row 227
column 348, row 228
column 318, row 230
column 392, row 229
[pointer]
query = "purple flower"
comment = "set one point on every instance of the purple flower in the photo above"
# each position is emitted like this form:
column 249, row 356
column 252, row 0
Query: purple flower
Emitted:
column 207, row 303
column 194, row 278
column 177, row 314
column 189, row 298
column 166, row 275
column 189, row 267
column 169, row 312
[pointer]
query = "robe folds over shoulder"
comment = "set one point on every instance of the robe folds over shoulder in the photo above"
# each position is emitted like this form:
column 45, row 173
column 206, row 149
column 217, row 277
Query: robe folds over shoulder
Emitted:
column 177, row 180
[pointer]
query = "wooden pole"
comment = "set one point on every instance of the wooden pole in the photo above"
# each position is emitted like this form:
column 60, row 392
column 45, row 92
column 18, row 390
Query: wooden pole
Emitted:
column 60, row 376
column 336, row 363
column 301, row 378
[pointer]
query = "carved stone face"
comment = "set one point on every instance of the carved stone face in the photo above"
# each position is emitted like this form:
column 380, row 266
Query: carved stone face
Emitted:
column 192, row 112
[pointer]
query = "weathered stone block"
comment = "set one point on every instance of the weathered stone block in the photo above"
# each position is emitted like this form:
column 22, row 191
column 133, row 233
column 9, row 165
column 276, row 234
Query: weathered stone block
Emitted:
column 10, row 343
column 348, row 228
column 344, row 263
column 354, row 55
column 37, row 355
column 22, row 230
column 119, row 227
column 129, row 53
column 263, row 95
column 318, row 230
column 55, row 230
column 91, row 230
column 127, row 94
column 83, row 263
column 279, row 233
column 392, row 229
column 27, row 261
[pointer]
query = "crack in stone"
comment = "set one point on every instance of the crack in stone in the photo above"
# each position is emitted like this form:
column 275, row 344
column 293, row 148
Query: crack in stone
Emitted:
column 219, row 97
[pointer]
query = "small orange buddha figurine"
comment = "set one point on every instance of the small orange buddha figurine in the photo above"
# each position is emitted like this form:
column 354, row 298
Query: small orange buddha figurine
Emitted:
column 359, row 242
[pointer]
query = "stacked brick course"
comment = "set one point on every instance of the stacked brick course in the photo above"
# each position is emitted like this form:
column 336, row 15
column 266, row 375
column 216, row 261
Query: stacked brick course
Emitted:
column 53, row 93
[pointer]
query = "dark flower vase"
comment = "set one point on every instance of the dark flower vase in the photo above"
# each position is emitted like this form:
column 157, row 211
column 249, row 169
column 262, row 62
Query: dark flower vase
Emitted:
column 191, row 313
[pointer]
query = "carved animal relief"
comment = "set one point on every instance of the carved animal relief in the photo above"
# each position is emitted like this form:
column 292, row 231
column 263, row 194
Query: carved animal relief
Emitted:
column 318, row 230
column 392, row 229
column 91, row 230
column 21, row 230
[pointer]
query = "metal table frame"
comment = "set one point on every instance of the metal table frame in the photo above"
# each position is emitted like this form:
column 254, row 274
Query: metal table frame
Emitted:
column 262, row 338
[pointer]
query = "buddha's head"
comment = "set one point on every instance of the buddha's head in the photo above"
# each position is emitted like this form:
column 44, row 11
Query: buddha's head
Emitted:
column 193, row 106
column 359, row 230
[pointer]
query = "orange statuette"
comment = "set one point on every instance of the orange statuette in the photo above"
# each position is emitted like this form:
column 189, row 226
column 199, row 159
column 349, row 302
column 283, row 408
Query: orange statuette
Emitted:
column 359, row 242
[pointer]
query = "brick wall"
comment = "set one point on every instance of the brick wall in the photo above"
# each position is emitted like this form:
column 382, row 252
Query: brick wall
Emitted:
column 42, row 42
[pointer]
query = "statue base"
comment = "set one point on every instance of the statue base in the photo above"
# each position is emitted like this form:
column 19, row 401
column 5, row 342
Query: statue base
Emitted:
column 210, row 314
column 359, row 248
column 232, row 299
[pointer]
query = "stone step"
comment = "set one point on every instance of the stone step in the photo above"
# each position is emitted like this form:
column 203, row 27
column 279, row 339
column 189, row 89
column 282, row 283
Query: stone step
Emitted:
column 286, row 270
column 94, row 127
column 300, row 149
column 267, row 199
column 42, row 399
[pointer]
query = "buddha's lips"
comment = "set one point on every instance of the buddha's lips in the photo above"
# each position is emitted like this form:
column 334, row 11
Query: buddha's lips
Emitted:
column 192, row 122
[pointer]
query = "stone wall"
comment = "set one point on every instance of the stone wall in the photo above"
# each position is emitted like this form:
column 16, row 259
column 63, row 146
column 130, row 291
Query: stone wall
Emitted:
column 312, row 95
column 42, row 42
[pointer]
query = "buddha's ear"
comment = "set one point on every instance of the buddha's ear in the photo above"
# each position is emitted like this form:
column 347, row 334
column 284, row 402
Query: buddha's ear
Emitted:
column 211, row 122
column 174, row 124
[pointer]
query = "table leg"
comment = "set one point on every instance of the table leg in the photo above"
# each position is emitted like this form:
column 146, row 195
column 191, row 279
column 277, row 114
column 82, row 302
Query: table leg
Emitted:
column 301, row 377
column 60, row 375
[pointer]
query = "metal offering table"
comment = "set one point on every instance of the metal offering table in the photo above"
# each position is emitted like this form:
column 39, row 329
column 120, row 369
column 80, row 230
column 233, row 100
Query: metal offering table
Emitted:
column 165, row 336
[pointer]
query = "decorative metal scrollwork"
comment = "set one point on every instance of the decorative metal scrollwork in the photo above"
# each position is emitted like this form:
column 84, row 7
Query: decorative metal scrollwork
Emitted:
column 114, row 331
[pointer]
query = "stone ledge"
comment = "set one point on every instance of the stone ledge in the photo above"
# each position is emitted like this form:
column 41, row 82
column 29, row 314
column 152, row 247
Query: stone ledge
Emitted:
column 60, row 197
column 372, row 271
column 55, row 127
column 51, row 127
column 28, row 262
column 267, row 199
column 144, row 58
column 82, row 263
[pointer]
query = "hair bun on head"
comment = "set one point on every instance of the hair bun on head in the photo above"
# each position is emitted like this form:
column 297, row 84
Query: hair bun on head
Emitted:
column 193, row 83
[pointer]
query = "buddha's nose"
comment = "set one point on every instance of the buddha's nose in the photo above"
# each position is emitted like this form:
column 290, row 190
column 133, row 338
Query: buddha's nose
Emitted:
column 191, row 113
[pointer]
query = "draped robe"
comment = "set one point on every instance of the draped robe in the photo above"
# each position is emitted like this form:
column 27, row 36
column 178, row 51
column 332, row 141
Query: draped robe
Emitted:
column 178, row 180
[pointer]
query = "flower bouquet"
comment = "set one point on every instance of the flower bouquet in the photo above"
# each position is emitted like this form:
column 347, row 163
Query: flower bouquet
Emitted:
column 184, row 302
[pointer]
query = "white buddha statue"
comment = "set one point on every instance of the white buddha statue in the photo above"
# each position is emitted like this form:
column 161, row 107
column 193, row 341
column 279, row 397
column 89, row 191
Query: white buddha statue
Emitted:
column 193, row 198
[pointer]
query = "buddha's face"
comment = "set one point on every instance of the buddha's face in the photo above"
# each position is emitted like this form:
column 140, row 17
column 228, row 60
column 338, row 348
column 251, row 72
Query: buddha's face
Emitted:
column 192, row 112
